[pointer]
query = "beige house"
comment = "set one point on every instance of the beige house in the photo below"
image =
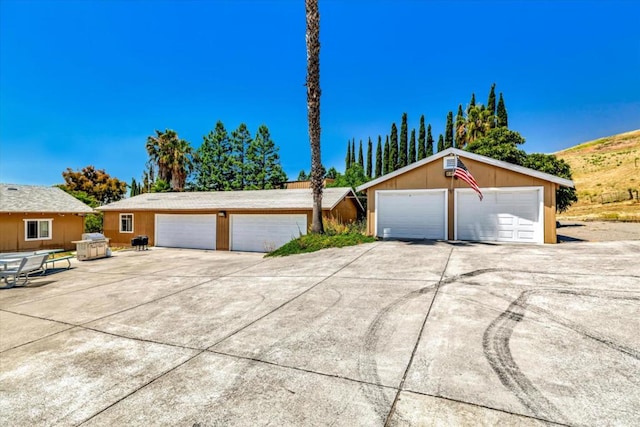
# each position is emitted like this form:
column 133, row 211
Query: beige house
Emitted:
column 255, row 221
column 424, row 201
column 36, row 217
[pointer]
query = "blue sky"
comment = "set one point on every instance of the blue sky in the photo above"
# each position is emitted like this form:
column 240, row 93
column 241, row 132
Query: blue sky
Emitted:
column 85, row 82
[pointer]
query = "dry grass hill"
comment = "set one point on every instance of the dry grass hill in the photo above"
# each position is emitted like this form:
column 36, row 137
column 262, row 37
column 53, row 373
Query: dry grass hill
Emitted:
column 607, row 177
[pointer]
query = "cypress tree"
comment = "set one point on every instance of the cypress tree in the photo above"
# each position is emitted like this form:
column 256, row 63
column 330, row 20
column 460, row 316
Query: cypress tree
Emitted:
column 402, row 150
column 460, row 128
column 472, row 103
column 393, row 148
column 347, row 159
column 491, row 102
column 440, row 143
column 429, row 149
column 448, row 133
column 369, row 165
column 353, row 152
column 412, row 147
column 422, row 142
column 502, row 113
column 387, row 159
column 360, row 156
column 379, row 157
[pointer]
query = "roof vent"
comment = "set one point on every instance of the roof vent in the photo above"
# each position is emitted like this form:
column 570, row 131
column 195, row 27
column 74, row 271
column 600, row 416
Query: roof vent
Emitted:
column 449, row 162
column 12, row 189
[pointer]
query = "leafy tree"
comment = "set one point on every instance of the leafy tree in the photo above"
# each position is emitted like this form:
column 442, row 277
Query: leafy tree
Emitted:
column 386, row 162
column 302, row 176
column 491, row 101
column 448, row 133
column 95, row 183
column 332, row 173
column 173, row 157
column 501, row 113
column 160, row 186
column 393, row 149
column 422, row 142
column 262, row 163
column 549, row 163
column 353, row 177
column 240, row 141
column 360, row 156
column 313, row 108
column 369, row 158
column 460, row 128
column 379, row 157
column 148, row 176
column 412, row 147
column 429, row 150
column 402, row 149
column 213, row 162
column 440, row 143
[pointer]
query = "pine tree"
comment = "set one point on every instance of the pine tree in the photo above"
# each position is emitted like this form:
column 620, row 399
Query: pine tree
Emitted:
column 302, row 176
column 491, row 102
column 386, row 162
column 448, row 133
column 263, row 169
column 393, row 148
column 214, row 164
column 422, row 142
column 360, row 156
column 502, row 120
column 440, row 143
column 240, row 140
column 379, row 157
column 412, row 147
column 459, row 128
column 402, row 149
column 429, row 150
column 369, row 154
column 347, row 159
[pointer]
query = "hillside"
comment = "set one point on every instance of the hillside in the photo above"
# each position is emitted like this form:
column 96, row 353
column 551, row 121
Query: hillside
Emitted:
column 607, row 177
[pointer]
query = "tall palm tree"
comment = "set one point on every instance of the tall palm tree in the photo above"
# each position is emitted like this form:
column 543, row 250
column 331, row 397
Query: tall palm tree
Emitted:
column 181, row 163
column 313, row 110
column 173, row 157
column 478, row 122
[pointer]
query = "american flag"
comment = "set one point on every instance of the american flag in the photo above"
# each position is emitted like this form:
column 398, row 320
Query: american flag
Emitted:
column 463, row 173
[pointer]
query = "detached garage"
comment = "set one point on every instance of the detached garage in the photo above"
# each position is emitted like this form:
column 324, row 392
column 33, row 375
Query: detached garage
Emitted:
column 425, row 201
column 254, row 221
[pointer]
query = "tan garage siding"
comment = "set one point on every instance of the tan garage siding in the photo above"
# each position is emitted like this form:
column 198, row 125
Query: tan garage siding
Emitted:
column 65, row 229
column 431, row 176
column 346, row 211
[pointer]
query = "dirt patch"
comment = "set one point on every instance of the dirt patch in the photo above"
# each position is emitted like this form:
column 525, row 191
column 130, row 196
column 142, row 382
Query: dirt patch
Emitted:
column 597, row 231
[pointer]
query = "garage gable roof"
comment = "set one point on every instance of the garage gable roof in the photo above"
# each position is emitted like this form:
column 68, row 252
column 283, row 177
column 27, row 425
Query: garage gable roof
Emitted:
column 36, row 198
column 477, row 157
column 228, row 200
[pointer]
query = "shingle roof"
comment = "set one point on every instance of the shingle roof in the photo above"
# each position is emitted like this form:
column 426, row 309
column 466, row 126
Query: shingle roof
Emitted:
column 466, row 154
column 32, row 198
column 228, row 200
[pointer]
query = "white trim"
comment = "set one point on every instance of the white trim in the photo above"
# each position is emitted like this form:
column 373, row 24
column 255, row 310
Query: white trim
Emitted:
column 540, row 189
column 350, row 190
column 38, row 220
column 416, row 190
column 467, row 155
column 120, row 223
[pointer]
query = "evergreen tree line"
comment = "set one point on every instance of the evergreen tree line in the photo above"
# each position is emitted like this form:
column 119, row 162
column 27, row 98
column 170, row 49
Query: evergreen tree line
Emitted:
column 223, row 162
column 399, row 151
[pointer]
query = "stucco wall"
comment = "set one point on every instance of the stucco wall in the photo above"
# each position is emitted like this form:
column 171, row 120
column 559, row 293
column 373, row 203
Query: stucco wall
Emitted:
column 431, row 176
column 65, row 228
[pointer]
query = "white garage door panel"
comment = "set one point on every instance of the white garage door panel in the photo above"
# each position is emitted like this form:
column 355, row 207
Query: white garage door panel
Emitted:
column 186, row 231
column 506, row 215
column 415, row 214
column 264, row 233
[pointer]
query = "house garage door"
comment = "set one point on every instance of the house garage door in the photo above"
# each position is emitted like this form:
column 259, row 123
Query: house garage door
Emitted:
column 186, row 231
column 504, row 215
column 411, row 214
column 264, row 233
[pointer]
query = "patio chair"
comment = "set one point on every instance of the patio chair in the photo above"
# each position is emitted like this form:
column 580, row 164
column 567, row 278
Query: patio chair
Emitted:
column 28, row 265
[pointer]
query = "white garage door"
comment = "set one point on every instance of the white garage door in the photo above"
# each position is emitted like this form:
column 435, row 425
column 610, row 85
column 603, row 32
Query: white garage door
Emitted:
column 503, row 215
column 186, row 231
column 411, row 214
column 264, row 233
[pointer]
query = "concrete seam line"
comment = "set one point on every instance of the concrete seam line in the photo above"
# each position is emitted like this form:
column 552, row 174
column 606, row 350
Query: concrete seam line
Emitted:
column 294, row 368
column 292, row 299
column 485, row 407
column 415, row 347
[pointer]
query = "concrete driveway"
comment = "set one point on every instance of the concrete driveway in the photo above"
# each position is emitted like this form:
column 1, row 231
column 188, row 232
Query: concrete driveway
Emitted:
column 385, row 333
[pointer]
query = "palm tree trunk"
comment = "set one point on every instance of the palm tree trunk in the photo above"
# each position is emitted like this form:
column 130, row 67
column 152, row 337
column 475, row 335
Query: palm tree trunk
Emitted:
column 313, row 110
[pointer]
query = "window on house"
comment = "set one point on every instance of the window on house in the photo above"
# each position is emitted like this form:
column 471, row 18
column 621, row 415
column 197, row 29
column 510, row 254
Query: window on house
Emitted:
column 126, row 223
column 37, row 229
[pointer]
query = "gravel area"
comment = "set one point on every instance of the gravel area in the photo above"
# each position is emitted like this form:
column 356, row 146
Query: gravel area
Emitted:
column 597, row 231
